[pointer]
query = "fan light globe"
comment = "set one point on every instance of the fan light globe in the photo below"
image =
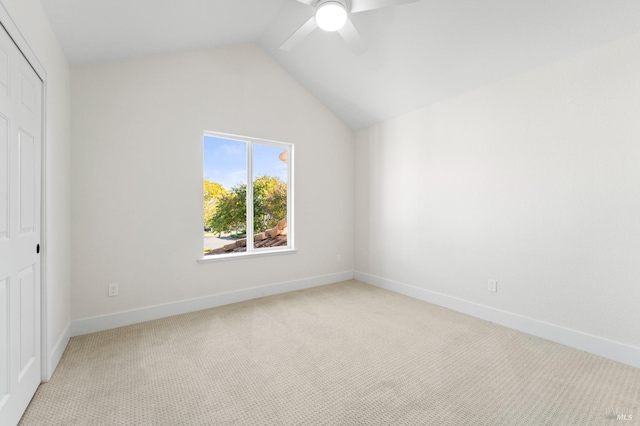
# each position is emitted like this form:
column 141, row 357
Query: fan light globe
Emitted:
column 331, row 16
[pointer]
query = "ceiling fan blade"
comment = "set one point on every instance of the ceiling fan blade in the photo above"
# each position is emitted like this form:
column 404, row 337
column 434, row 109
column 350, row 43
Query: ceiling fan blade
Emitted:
column 306, row 29
column 353, row 38
column 362, row 5
column 307, row 2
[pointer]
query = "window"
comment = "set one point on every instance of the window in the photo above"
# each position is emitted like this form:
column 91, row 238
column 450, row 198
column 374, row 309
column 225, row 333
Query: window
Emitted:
column 237, row 170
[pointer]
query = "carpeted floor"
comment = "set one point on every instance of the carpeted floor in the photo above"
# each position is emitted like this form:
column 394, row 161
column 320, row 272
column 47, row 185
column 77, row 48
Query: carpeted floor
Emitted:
column 343, row 354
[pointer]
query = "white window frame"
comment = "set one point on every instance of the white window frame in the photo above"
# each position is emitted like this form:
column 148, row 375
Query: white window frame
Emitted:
column 251, row 250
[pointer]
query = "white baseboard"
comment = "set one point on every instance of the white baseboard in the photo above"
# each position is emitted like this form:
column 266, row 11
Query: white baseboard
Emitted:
column 605, row 348
column 120, row 319
column 56, row 352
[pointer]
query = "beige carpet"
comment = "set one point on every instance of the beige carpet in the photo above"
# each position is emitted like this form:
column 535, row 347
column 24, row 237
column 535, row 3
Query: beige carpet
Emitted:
column 343, row 354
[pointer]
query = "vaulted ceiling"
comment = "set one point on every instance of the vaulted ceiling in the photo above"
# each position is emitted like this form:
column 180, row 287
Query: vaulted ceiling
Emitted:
column 419, row 53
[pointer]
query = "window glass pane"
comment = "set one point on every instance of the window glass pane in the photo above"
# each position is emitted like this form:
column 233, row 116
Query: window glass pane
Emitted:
column 225, row 192
column 269, row 196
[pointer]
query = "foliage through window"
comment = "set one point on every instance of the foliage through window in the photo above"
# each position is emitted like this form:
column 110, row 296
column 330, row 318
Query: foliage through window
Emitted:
column 238, row 169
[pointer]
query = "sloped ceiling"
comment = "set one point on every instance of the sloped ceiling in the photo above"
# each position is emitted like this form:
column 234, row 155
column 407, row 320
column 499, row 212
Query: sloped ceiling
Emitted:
column 419, row 53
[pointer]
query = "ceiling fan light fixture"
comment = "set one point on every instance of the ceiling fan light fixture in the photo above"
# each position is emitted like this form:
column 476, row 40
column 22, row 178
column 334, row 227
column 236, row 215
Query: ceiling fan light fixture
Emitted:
column 331, row 16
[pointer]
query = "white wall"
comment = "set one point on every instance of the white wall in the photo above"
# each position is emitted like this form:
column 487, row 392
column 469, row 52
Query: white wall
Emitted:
column 34, row 27
column 533, row 181
column 137, row 176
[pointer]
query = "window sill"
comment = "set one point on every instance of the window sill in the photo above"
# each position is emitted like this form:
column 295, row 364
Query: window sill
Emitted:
column 233, row 256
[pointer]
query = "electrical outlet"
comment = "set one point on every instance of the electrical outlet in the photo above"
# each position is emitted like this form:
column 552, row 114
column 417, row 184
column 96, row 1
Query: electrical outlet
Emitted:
column 113, row 289
column 338, row 259
column 492, row 286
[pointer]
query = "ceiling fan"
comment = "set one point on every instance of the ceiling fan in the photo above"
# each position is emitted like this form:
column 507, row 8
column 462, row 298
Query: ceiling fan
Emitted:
column 333, row 15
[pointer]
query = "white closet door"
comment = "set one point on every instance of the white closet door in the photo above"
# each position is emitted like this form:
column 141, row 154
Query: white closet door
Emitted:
column 20, row 181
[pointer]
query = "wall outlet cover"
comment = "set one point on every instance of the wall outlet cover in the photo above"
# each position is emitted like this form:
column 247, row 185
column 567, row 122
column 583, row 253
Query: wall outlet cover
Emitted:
column 113, row 289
